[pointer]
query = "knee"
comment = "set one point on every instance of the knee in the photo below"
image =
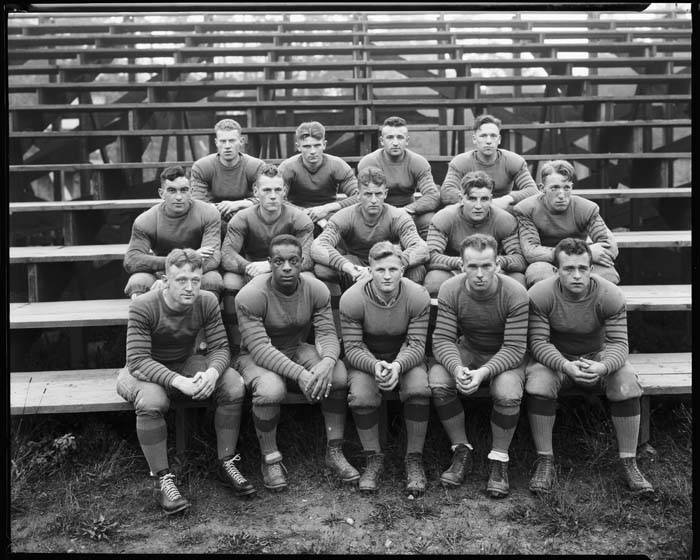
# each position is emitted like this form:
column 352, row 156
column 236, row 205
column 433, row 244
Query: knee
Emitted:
column 540, row 381
column 443, row 392
column 434, row 279
column 623, row 385
column 538, row 271
column 151, row 401
column 271, row 390
column 519, row 277
column 233, row 282
column 325, row 273
column 414, row 384
column 213, row 282
column 416, row 273
column 507, row 389
column 230, row 387
column 139, row 283
column 607, row 272
column 363, row 392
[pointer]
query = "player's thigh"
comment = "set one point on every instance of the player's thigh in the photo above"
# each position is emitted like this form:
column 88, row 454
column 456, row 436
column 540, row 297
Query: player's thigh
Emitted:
column 622, row 384
column 264, row 385
column 363, row 391
column 541, row 381
column 506, row 388
column 414, row 383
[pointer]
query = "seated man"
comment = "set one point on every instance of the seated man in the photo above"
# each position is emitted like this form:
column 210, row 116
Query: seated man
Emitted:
column 177, row 222
column 161, row 366
column 313, row 178
column 275, row 314
column 489, row 310
column 385, row 326
column 578, row 336
column 512, row 180
column 555, row 214
column 474, row 214
column 362, row 225
column 226, row 177
column 245, row 249
column 406, row 172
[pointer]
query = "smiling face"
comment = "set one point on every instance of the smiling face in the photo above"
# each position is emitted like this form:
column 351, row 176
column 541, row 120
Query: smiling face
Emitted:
column 480, row 268
column 228, row 144
column 486, row 139
column 285, row 265
column 476, row 203
column 386, row 274
column 574, row 273
column 311, row 150
column 371, row 198
column 182, row 284
column 394, row 140
column 557, row 192
column 270, row 192
column 177, row 196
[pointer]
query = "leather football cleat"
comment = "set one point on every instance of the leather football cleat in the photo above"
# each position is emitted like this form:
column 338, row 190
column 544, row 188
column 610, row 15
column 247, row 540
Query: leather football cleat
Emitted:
column 460, row 467
column 232, row 477
column 372, row 472
column 336, row 461
column 497, row 486
column 543, row 478
column 168, row 496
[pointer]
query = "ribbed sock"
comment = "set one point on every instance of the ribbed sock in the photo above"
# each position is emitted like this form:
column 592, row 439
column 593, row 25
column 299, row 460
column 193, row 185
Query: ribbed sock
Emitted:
column 265, row 419
column 334, row 409
column 367, row 425
column 542, row 413
column 504, row 421
column 416, row 411
column 152, row 434
column 451, row 414
column 625, row 418
column 227, row 422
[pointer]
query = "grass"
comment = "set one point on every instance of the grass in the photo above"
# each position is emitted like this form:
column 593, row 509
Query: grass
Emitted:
column 83, row 486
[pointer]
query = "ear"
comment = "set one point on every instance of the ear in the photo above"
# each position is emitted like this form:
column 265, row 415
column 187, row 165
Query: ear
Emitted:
column 244, row 139
column 161, row 192
column 540, row 187
column 296, row 145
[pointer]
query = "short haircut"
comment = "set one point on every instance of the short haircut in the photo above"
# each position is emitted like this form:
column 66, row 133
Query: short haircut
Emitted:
column 313, row 128
column 181, row 257
column 371, row 175
column 480, row 242
column 572, row 246
column 476, row 180
column 559, row 166
column 393, row 121
column 486, row 119
column 171, row 173
column 284, row 239
column 383, row 249
column 269, row 170
column 227, row 124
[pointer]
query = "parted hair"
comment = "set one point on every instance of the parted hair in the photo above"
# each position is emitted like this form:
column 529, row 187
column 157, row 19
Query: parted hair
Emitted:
column 227, row 124
column 486, row 119
column 476, row 180
column 572, row 246
column 559, row 166
column 268, row 170
column 181, row 257
column 383, row 249
column 480, row 242
column 371, row 175
column 312, row 128
column 392, row 121
column 171, row 173
column 284, row 239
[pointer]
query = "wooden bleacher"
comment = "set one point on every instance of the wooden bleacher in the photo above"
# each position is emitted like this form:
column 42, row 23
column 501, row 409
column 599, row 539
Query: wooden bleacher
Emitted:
column 94, row 106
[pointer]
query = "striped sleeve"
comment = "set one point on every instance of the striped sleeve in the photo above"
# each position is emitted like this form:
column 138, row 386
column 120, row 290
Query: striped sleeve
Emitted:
column 523, row 184
column 599, row 233
column 541, row 348
column 138, row 256
column 347, row 184
column 139, row 358
column 231, row 258
column 532, row 247
column 412, row 351
column 323, row 248
column 304, row 232
column 200, row 183
column 615, row 323
column 430, row 196
column 437, row 241
column 513, row 260
column 325, row 335
column 218, row 353
column 211, row 237
column 250, row 309
column 415, row 250
column 445, row 334
column 450, row 190
column 512, row 351
column 351, row 319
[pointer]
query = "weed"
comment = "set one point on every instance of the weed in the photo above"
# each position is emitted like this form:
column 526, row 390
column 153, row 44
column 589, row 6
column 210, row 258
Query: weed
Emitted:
column 419, row 509
column 385, row 514
column 241, row 543
column 99, row 528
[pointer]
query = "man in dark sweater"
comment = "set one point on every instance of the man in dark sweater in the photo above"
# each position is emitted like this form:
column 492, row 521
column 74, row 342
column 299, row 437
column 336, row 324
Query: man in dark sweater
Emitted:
column 513, row 181
column 578, row 336
column 161, row 366
column 406, row 172
column 385, row 326
column 275, row 314
column 177, row 222
column 480, row 335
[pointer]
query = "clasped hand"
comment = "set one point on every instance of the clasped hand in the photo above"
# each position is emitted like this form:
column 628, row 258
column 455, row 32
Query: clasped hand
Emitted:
column 387, row 374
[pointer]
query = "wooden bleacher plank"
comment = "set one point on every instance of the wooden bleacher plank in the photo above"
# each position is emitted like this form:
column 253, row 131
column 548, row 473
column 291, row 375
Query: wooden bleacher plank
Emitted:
column 663, row 297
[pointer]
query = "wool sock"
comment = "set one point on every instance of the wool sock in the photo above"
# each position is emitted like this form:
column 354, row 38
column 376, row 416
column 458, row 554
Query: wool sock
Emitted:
column 152, row 434
column 227, row 422
column 265, row 419
column 542, row 413
column 416, row 411
column 451, row 414
column 367, row 425
column 334, row 409
column 504, row 421
column 625, row 418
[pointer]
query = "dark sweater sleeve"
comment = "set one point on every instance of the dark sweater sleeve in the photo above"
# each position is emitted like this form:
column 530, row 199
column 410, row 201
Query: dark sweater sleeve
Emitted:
column 325, row 335
column 323, row 248
column 139, row 358
column 218, row 353
column 530, row 242
column 138, row 256
column 412, row 351
column 211, row 237
column 200, row 183
column 250, row 310
column 304, row 232
column 351, row 324
column 450, row 191
column 512, row 351
column 231, row 258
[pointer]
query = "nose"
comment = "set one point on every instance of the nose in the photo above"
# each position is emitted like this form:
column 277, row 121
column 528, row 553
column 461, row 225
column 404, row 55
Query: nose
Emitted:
column 477, row 205
column 577, row 274
column 479, row 273
column 286, row 266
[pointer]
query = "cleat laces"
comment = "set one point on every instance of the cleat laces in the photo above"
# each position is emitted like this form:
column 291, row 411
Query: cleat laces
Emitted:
column 167, row 486
column 233, row 472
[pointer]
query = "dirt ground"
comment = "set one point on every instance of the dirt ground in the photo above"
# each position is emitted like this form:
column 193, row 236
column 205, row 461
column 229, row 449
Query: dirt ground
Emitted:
column 590, row 511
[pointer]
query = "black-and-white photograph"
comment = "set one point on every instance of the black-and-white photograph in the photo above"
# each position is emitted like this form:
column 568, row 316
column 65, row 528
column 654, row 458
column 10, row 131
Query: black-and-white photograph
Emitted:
column 352, row 279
